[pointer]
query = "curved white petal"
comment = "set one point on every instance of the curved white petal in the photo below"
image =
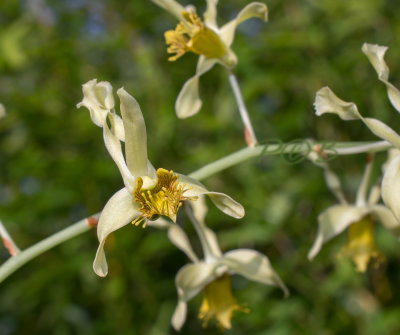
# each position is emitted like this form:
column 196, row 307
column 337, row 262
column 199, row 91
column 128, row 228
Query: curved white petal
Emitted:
column 118, row 212
column 333, row 183
column 135, row 134
column 391, row 186
column 361, row 197
column 200, row 211
column 210, row 15
column 113, row 146
column 172, row 7
column 192, row 278
column 254, row 266
column 254, row 9
column 376, row 54
column 2, row 111
column 327, row 102
column 333, row 221
column 386, row 217
column 179, row 316
column 224, row 202
column 188, row 102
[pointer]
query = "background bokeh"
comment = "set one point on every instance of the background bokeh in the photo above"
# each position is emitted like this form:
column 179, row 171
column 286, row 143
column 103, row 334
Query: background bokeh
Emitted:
column 54, row 169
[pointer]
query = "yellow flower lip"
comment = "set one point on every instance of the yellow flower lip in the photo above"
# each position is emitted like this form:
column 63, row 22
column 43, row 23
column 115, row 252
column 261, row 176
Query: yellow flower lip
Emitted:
column 193, row 35
column 163, row 199
column 219, row 303
column 361, row 246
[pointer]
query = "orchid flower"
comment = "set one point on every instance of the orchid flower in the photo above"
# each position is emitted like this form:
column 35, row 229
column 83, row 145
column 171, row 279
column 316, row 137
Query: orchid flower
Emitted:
column 205, row 38
column 212, row 275
column 148, row 193
column 327, row 102
column 357, row 218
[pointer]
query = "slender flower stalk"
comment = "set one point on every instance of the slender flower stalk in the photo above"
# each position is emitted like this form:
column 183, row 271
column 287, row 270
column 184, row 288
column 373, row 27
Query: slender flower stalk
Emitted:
column 250, row 136
column 23, row 257
column 8, row 241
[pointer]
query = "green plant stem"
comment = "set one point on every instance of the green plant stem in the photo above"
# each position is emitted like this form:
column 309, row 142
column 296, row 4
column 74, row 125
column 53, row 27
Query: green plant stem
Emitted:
column 345, row 148
column 15, row 262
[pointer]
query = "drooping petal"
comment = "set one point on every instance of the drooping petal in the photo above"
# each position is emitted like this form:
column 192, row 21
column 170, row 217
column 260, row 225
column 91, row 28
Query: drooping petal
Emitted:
column 179, row 316
column 333, row 183
column 361, row 198
column 191, row 278
column 135, row 134
column 172, row 7
column 333, row 221
column 113, row 146
column 224, row 202
column 386, row 217
column 210, row 15
column 118, row 212
column 391, row 186
column 376, row 54
column 254, row 266
column 327, row 102
column 254, row 9
column 2, row 111
column 177, row 236
column 188, row 102
column 199, row 211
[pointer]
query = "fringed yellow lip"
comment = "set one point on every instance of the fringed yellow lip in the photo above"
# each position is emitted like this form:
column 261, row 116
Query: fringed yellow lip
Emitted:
column 219, row 303
column 165, row 198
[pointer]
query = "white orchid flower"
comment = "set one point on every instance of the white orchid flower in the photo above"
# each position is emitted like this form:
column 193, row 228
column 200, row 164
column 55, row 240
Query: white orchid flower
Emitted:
column 212, row 276
column 148, row 193
column 327, row 102
column 359, row 219
column 205, row 38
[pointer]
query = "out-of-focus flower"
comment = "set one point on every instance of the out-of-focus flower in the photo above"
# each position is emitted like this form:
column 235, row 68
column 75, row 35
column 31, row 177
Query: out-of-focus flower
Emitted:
column 2, row 111
column 327, row 102
column 205, row 38
column 358, row 219
column 212, row 276
column 148, row 193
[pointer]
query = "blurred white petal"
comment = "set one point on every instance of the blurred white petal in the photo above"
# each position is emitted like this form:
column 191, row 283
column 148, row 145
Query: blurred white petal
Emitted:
column 391, row 186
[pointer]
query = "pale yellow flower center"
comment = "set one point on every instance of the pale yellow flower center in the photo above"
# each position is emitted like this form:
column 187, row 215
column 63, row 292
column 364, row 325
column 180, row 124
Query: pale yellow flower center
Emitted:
column 361, row 246
column 192, row 35
column 219, row 303
column 165, row 198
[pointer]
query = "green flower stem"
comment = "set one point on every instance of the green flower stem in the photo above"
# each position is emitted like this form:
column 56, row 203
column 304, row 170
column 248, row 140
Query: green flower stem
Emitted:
column 249, row 131
column 15, row 262
column 344, row 148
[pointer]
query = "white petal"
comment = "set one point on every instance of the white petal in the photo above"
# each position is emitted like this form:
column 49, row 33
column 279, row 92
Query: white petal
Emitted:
column 99, row 99
column 376, row 54
column 192, row 278
column 327, row 102
column 391, row 186
column 118, row 212
column 333, row 221
column 224, row 202
column 2, row 111
column 386, row 217
column 135, row 134
column 113, row 146
column 210, row 15
column 179, row 316
column 333, row 183
column 172, row 7
column 361, row 197
column 254, row 9
column 254, row 266
column 188, row 102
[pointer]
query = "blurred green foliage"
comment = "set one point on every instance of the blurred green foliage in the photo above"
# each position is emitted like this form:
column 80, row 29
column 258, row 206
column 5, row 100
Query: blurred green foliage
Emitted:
column 55, row 170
